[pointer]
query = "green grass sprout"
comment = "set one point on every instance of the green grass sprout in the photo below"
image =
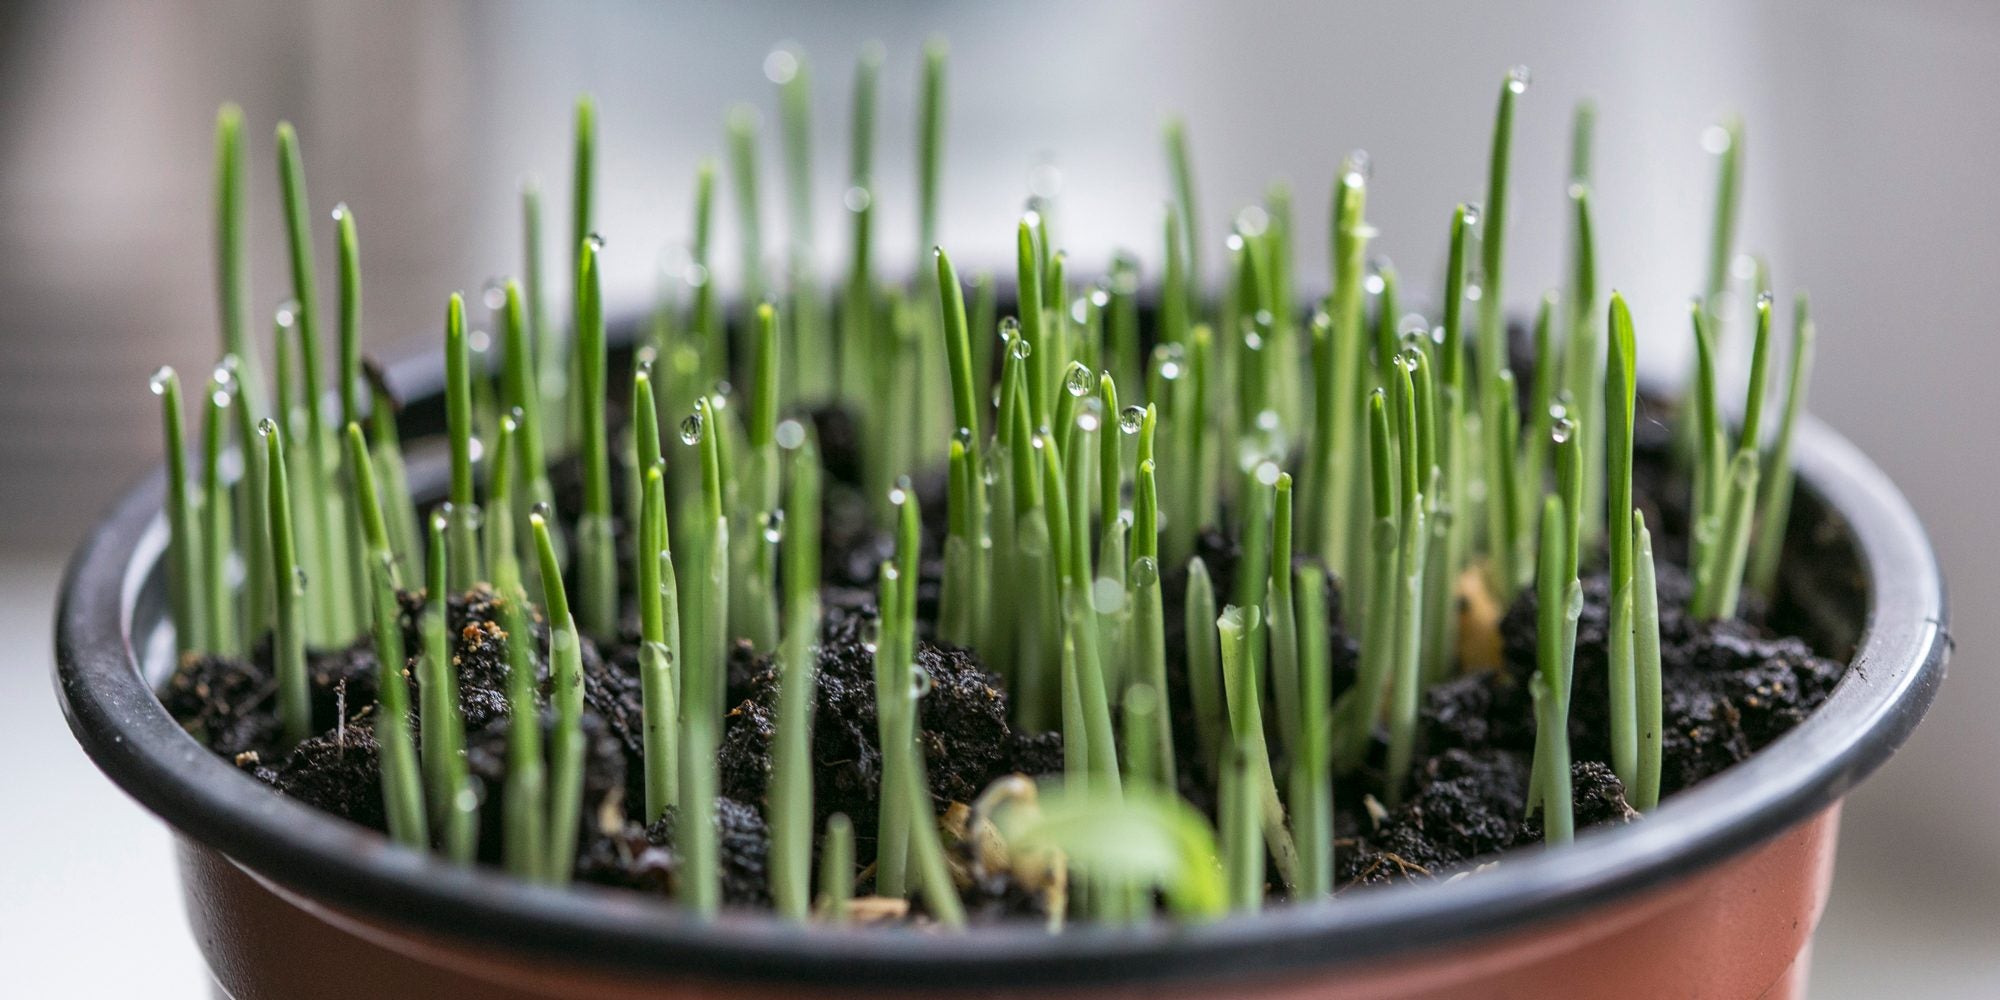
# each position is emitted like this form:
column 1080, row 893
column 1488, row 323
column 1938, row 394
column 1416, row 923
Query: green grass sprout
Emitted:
column 184, row 549
column 1774, row 504
column 288, row 644
column 566, row 694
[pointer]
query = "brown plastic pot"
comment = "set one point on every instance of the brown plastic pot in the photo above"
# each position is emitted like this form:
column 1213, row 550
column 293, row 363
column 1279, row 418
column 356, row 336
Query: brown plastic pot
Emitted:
column 1715, row 894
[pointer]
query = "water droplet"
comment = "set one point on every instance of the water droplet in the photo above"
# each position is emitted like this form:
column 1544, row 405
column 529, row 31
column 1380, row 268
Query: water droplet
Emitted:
column 1045, row 180
column 992, row 474
column 1374, row 284
column 1764, row 301
column 1564, row 427
column 1517, row 79
column 1473, row 293
column 1252, row 340
column 441, row 517
column 1086, row 420
column 695, row 275
column 898, row 495
column 1145, row 572
column 856, row 199
column 1020, row 348
column 1744, row 267
column 790, row 434
column 1234, row 243
column 1715, row 140
column 542, row 510
column 339, row 211
column 220, row 395
column 1079, row 311
column 1032, row 218
column 1267, row 420
column 160, row 380
column 479, row 341
column 1100, row 296
column 1471, row 214
column 287, row 315
column 494, row 295
column 1010, row 328
column 781, row 66
column 773, row 522
column 921, row 681
column 1253, row 221
column 267, row 427
column 1131, row 418
column 1267, row 473
column 1107, row 595
column 691, row 428
column 963, row 436
column 511, row 422
column 596, row 242
column 1170, row 371
column 298, row 579
column 1078, row 380
column 1357, row 168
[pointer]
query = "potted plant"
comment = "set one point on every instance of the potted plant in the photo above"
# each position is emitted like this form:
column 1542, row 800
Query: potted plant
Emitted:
column 1130, row 649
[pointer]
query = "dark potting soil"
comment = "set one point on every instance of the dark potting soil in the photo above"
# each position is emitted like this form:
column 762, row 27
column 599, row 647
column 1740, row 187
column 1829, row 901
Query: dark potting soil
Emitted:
column 1730, row 688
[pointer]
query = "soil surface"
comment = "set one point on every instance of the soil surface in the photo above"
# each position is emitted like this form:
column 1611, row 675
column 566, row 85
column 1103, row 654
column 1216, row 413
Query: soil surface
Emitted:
column 1730, row 688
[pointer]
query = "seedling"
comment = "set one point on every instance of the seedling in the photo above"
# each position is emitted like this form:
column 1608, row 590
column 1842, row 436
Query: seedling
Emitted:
column 1104, row 469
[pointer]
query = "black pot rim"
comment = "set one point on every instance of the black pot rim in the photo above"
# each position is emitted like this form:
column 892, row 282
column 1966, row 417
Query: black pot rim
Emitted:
column 1898, row 664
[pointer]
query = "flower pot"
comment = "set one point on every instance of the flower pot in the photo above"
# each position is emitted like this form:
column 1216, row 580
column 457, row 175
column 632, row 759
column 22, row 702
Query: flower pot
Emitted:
column 1714, row 894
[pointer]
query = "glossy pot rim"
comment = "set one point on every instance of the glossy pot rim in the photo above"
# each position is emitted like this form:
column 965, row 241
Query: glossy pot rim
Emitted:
column 1898, row 664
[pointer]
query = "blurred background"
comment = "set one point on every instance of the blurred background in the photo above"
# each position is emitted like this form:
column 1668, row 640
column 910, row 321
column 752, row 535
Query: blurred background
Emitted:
column 1871, row 139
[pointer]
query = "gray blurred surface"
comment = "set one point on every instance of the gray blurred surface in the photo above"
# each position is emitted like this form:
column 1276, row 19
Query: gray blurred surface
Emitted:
column 1870, row 151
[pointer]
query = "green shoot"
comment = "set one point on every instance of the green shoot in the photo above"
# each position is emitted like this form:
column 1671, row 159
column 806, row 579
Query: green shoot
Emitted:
column 742, row 126
column 1550, row 683
column 857, row 303
column 1493, row 241
column 1774, row 505
column 1149, row 665
column 183, row 534
column 930, row 145
column 464, row 522
column 288, row 646
column 452, row 803
column 1620, row 394
column 1180, row 165
column 254, row 533
column 810, row 376
column 1205, row 666
column 1723, row 574
column 550, row 365
column 836, row 871
column 1311, row 786
column 321, row 519
column 566, row 693
column 1337, row 354
column 402, row 781
column 791, row 810
column 393, row 479
column 521, row 395
column 524, row 799
column 597, row 566
column 660, row 635
column 1646, row 656
column 1287, row 694
column 217, row 604
column 1708, row 471
column 1583, row 362
column 1405, row 670
column 1237, row 628
column 1242, row 834
column 232, row 270
column 1362, row 704
column 1725, row 142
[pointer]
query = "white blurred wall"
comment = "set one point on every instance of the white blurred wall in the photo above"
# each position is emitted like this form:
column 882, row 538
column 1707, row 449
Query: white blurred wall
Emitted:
column 1871, row 138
